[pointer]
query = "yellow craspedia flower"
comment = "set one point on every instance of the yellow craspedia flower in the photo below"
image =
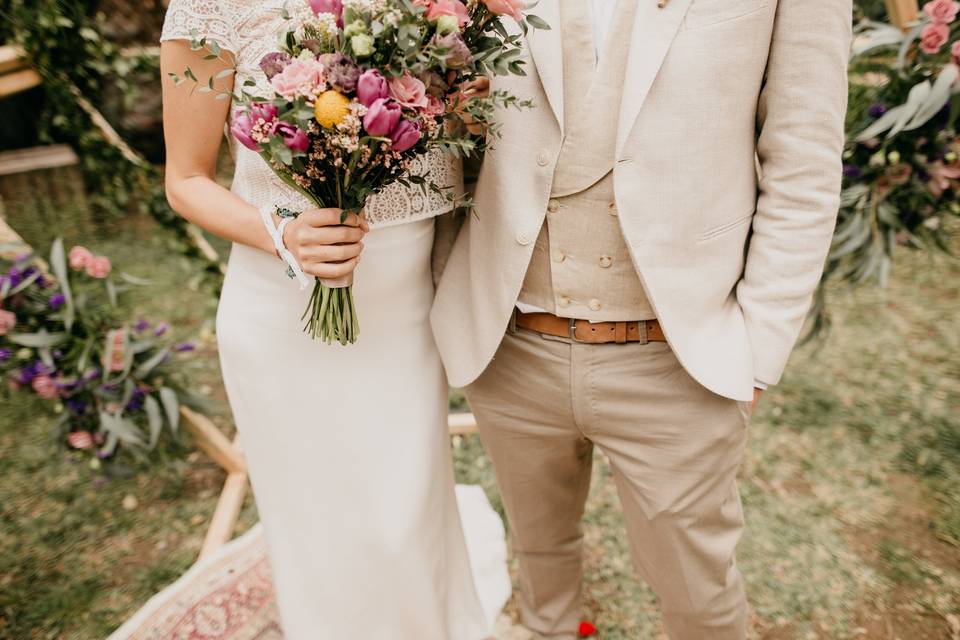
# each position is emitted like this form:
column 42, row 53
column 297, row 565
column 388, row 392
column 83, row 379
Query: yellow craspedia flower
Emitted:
column 331, row 108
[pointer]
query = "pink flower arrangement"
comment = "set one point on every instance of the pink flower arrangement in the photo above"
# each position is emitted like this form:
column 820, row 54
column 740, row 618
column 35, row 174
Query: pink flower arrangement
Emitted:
column 79, row 257
column 408, row 91
column 98, row 267
column 45, row 387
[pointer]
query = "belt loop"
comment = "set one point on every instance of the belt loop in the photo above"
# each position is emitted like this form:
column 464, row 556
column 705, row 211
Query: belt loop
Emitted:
column 642, row 326
column 512, row 326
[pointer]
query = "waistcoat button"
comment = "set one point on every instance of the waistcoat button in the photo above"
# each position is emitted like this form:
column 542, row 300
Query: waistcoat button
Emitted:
column 553, row 205
column 559, row 255
column 523, row 239
column 542, row 159
column 565, row 301
column 595, row 305
column 605, row 262
column 612, row 208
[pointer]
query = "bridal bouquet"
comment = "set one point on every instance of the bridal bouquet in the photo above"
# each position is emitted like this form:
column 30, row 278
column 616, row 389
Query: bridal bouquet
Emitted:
column 359, row 88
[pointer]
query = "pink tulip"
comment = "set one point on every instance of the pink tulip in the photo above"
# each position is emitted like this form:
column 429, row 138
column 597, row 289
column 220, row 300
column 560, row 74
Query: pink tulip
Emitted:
column 405, row 135
column 263, row 113
column 371, row 86
column 45, row 387
column 241, row 127
column 8, row 320
column 942, row 11
column 327, row 6
column 293, row 136
column 79, row 257
column 382, row 117
column 455, row 8
column 512, row 8
column 408, row 91
column 99, row 267
column 933, row 37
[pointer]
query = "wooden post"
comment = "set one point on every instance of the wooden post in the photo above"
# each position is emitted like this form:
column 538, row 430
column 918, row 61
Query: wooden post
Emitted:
column 15, row 73
column 903, row 13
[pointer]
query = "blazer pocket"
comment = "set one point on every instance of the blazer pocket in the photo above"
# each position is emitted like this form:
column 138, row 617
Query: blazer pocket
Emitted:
column 725, row 228
column 703, row 13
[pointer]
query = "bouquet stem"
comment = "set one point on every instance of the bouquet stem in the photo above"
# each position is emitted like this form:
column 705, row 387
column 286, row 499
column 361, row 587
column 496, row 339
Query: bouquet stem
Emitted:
column 331, row 314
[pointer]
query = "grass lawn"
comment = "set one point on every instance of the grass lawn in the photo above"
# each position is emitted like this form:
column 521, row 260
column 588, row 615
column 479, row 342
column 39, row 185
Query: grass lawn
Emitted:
column 851, row 485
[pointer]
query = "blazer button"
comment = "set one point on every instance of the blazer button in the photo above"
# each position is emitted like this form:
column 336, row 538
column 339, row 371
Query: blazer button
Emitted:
column 605, row 262
column 595, row 305
column 523, row 239
column 559, row 255
column 542, row 159
column 612, row 208
column 553, row 205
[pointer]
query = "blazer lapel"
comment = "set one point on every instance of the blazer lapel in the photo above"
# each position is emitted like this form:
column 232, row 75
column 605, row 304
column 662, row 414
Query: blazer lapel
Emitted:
column 654, row 30
column 547, row 52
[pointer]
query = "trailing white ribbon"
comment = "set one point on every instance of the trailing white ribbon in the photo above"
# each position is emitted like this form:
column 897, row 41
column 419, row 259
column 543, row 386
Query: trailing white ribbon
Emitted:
column 276, row 234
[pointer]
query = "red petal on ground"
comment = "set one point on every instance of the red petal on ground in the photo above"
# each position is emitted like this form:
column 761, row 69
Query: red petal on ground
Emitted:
column 587, row 629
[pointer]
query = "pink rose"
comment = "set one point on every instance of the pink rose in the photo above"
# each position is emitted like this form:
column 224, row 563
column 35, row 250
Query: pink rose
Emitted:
column 512, row 8
column 302, row 77
column 942, row 11
column 79, row 257
column 80, row 439
column 8, row 320
column 933, row 37
column 453, row 8
column 435, row 106
column 99, row 267
column 382, row 117
column 408, row 91
column 371, row 86
column 45, row 387
column 405, row 135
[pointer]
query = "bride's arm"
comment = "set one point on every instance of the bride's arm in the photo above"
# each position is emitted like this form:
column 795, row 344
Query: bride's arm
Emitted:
column 193, row 124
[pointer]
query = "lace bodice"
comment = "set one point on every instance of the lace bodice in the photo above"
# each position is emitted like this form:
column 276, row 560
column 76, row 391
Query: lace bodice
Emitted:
column 248, row 29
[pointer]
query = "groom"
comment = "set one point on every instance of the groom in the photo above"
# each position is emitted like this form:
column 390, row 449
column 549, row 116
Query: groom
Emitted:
column 640, row 261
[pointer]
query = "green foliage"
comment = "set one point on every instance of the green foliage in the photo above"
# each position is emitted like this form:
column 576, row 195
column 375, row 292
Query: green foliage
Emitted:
column 63, row 42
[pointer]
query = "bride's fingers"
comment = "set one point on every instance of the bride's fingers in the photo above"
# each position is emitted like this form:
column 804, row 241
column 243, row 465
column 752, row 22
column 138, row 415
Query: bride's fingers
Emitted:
column 329, row 218
column 331, row 269
column 335, row 252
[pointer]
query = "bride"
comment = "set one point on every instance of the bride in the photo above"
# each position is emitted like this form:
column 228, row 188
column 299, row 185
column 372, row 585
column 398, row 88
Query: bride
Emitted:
column 347, row 446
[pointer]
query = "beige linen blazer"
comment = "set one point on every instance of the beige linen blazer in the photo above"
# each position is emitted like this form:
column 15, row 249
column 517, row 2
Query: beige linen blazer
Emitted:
column 730, row 255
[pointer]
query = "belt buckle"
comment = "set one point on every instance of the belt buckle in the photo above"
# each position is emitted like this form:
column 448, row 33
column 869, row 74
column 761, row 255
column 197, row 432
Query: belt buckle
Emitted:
column 573, row 330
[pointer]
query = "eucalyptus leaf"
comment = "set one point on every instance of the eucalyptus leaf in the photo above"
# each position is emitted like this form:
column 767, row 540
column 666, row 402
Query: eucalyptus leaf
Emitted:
column 39, row 339
column 58, row 262
column 154, row 420
column 915, row 99
column 937, row 99
column 151, row 363
column 171, row 406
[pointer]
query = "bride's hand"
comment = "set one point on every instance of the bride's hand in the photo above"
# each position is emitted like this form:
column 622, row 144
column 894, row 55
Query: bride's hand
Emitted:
column 325, row 247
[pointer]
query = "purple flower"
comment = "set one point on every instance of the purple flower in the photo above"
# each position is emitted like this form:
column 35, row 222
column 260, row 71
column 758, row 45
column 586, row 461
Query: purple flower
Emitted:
column 273, row 63
column 405, row 135
column 382, row 118
column 342, row 72
column 161, row 329
column 76, row 406
column 265, row 111
column 5, row 354
column 458, row 53
column 371, row 86
column 876, row 110
column 136, row 400
column 241, row 128
column 56, row 301
column 852, row 171
column 293, row 136
column 141, row 325
column 184, row 347
column 92, row 374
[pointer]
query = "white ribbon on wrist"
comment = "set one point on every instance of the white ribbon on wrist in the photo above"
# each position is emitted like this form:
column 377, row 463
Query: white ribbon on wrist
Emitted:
column 276, row 234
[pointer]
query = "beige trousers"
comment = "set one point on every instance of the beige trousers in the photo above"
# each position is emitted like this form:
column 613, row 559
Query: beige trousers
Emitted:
column 674, row 447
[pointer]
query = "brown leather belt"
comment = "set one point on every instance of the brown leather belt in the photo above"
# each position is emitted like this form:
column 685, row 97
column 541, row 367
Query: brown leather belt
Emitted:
column 591, row 332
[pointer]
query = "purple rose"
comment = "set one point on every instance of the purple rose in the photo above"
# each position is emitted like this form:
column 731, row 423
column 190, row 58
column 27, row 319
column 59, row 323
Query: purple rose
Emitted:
column 458, row 54
column 273, row 63
column 241, row 128
column 293, row 136
column 371, row 86
column 327, row 6
column 382, row 118
column 405, row 135
column 56, row 301
column 342, row 72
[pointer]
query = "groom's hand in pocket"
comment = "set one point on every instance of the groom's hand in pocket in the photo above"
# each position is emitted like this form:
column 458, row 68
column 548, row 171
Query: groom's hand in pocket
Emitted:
column 324, row 246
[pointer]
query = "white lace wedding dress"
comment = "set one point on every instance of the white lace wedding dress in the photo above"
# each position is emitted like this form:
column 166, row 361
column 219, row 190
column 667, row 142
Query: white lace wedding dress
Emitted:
column 347, row 446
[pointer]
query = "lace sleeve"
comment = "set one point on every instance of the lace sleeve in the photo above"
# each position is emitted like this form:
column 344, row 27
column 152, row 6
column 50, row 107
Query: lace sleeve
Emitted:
column 211, row 19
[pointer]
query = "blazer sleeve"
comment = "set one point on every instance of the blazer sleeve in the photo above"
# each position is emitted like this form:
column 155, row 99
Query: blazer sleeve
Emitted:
column 801, row 113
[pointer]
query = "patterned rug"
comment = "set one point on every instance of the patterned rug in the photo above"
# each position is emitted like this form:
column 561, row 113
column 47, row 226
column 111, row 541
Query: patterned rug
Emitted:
column 228, row 596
